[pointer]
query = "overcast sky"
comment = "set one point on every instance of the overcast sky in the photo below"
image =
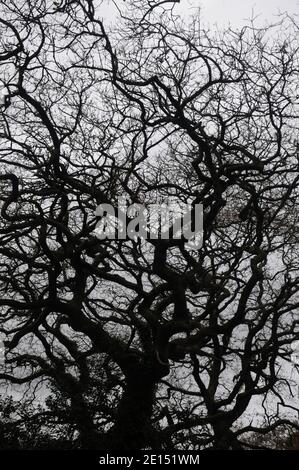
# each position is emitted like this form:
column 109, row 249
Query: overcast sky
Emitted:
column 223, row 12
column 235, row 12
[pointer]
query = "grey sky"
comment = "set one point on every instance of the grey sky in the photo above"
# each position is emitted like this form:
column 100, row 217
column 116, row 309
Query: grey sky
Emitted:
column 235, row 12
column 223, row 12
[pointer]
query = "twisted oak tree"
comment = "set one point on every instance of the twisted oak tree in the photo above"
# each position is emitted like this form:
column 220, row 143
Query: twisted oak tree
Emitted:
column 136, row 344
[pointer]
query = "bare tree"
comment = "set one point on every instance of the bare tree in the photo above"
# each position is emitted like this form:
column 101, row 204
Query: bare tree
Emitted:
column 148, row 343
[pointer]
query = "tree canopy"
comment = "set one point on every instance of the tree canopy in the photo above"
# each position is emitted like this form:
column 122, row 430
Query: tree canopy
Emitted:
column 130, row 344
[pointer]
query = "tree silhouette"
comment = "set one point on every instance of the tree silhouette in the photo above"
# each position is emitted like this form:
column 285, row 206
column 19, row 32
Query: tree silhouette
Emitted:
column 132, row 343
